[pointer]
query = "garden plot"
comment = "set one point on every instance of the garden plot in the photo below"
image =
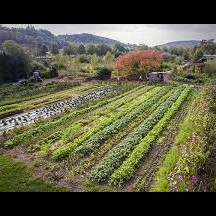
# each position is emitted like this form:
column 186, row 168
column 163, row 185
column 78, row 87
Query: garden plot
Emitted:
column 118, row 143
column 51, row 110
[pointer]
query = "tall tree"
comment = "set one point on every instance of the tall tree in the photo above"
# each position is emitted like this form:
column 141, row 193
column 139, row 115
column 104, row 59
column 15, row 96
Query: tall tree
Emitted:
column 91, row 49
column 14, row 62
column 102, row 49
column 81, row 49
column 118, row 49
column 43, row 50
column 55, row 49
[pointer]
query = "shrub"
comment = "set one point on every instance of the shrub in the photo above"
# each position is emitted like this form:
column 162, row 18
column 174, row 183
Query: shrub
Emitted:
column 210, row 67
column 190, row 76
column 83, row 58
column 103, row 73
column 50, row 72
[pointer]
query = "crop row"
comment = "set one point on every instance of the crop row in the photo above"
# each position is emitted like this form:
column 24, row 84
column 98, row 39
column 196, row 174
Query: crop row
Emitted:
column 108, row 145
column 122, row 102
column 126, row 170
column 98, row 139
column 186, row 157
column 21, row 105
column 55, row 108
column 50, row 126
column 66, row 150
column 63, row 135
column 119, row 153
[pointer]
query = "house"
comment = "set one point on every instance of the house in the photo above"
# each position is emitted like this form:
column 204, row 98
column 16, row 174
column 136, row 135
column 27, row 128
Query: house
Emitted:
column 157, row 76
column 209, row 57
column 206, row 58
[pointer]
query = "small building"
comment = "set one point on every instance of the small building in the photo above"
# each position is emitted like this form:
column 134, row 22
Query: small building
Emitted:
column 157, row 76
column 206, row 58
column 209, row 57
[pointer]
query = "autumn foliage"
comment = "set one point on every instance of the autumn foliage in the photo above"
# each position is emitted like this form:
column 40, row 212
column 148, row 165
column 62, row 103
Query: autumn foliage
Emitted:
column 136, row 63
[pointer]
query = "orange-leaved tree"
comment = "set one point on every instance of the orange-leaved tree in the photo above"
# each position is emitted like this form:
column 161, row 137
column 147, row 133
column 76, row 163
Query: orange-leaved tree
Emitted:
column 136, row 63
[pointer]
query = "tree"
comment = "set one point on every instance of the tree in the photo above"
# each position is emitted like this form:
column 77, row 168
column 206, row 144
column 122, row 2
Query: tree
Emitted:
column 118, row 49
column 95, row 61
column 210, row 67
column 14, row 62
column 108, row 58
column 197, row 55
column 81, row 49
column 43, row 50
column 102, row 49
column 70, row 50
column 55, row 49
column 136, row 63
column 60, row 62
column 83, row 58
column 103, row 73
column 91, row 49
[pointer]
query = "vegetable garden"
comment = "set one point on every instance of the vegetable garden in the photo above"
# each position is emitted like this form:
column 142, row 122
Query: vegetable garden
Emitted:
column 136, row 138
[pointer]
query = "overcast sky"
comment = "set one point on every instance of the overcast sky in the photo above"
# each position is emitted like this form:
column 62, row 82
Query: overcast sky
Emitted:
column 150, row 34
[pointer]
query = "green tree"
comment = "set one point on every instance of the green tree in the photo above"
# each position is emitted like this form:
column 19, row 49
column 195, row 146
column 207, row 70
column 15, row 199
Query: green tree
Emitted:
column 102, row 49
column 118, row 49
column 103, row 73
column 42, row 50
column 14, row 62
column 81, row 49
column 210, row 67
column 95, row 61
column 55, row 49
column 178, row 60
column 91, row 49
column 108, row 58
column 83, row 58
column 197, row 55
column 70, row 50
column 60, row 62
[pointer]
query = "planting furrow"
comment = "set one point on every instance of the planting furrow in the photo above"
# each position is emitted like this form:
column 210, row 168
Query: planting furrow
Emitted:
column 126, row 170
column 119, row 153
column 107, row 128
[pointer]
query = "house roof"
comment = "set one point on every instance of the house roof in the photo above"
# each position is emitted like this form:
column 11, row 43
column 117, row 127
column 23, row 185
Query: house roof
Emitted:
column 157, row 72
column 214, row 56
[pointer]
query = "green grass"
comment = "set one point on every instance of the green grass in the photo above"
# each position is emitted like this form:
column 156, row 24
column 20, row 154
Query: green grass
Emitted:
column 161, row 183
column 94, row 187
column 15, row 177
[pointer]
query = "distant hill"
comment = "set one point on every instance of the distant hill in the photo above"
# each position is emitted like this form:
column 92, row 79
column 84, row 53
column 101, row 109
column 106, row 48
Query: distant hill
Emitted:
column 85, row 38
column 184, row 44
column 29, row 36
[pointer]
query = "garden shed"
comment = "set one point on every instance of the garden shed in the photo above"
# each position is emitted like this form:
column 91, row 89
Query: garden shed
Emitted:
column 157, row 76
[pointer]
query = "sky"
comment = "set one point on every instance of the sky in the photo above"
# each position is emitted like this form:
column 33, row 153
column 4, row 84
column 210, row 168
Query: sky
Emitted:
column 149, row 34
